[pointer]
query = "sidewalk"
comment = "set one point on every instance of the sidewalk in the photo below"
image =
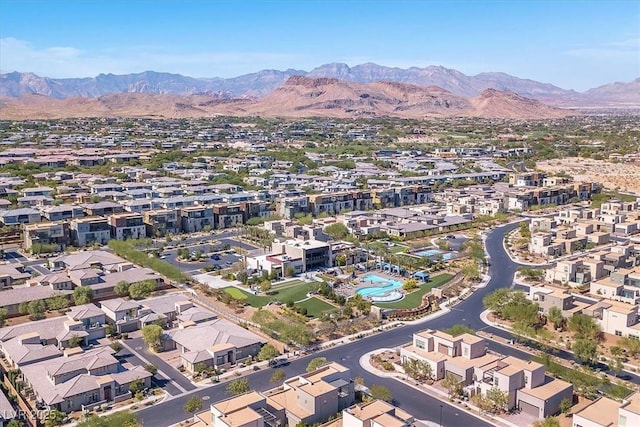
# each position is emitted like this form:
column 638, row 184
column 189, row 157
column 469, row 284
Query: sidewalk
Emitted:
column 430, row 390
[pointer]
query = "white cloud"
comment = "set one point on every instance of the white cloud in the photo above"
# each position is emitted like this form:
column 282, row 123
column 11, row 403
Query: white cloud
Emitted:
column 68, row 61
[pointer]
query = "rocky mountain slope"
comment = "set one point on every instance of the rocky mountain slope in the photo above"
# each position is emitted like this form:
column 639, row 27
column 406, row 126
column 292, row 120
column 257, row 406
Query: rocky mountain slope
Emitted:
column 262, row 83
column 298, row 97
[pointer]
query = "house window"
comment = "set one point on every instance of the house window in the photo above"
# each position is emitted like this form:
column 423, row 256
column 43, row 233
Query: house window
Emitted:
column 496, row 381
column 618, row 333
column 420, row 344
column 526, row 379
column 622, row 421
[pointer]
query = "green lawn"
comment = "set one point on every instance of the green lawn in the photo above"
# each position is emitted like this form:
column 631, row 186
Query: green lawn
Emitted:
column 414, row 299
column 295, row 290
column 315, row 306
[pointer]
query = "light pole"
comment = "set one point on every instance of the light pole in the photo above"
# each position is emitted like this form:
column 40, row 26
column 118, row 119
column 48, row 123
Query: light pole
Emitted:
column 440, row 415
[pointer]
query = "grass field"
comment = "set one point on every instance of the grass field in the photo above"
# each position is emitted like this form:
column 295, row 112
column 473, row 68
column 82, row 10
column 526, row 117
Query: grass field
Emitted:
column 294, row 290
column 315, row 306
column 414, row 299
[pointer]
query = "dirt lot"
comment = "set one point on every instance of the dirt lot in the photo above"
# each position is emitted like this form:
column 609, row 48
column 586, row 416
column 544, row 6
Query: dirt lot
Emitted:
column 624, row 176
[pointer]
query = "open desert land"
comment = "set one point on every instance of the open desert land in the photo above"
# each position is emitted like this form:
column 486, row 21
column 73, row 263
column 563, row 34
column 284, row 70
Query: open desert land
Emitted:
column 621, row 176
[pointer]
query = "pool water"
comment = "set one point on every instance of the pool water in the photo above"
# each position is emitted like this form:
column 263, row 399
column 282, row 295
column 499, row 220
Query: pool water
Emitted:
column 384, row 285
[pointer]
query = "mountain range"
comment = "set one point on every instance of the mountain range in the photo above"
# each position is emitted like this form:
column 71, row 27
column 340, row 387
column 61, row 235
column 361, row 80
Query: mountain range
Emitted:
column 299, row 96
column 261, row 84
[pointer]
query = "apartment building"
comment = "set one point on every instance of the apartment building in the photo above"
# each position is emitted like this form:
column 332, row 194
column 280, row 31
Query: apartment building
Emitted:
column 288, row 207
column 19, row 216
column 160, row 222
column 127, row 226
column 47, row 233
column 89, row 230
column 62, row 212
column 227, row 216
column 196, row 218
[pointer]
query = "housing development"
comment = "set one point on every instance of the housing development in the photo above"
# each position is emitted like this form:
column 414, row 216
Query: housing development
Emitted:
column 375, row 272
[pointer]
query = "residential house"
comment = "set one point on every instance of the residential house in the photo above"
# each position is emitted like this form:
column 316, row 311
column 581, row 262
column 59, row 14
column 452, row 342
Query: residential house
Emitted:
column 217, row 343
column 82, row 380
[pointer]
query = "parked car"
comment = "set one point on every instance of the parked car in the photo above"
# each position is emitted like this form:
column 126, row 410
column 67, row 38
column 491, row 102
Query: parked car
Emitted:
column 278, row 362
column 215, row 257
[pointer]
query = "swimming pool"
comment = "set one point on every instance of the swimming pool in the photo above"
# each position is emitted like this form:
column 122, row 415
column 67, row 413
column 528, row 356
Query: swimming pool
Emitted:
column 384, row 285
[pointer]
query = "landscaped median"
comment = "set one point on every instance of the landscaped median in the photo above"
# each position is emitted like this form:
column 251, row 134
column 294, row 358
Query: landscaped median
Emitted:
column 589, row 385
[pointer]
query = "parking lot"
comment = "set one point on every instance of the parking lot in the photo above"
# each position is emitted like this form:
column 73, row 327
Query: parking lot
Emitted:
column 215, row 256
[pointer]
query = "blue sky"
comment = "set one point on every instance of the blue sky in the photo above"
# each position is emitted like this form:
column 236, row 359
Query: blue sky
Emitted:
column 572, row 44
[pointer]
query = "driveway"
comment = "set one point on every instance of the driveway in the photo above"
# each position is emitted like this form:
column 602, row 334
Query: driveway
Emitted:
column 159, row 379
column 139, row 348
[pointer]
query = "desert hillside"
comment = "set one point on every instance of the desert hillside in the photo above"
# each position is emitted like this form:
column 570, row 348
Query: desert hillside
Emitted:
column 298, row 97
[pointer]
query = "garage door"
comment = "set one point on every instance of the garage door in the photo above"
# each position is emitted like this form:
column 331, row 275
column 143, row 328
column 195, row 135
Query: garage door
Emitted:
column 528, row 408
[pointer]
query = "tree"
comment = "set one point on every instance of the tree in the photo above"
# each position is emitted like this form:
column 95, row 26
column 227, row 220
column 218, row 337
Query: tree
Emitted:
column 289, row 271
column 616, row 366
column 82, row 295
column 586, row 350
column 565, row 405
column 116, row 346
column 54, row 418
column 136, row 386
column 142, row 289
column 120, row 419
column 316, row 363
column 265, row 286
column 630, row 345
column 452, row 384
column 498, row 399
column 57, row 302
column 15, row 423
column 341, row 260
column 277, row 376
column 547, row 422
column 337, row 231
column 76, row 341
column 555, row 316
column 193, row 404
column 122, row 288
column 410, row 284
column 151, row 368
column 584, row 327
column 268, row 352
column 380, row 392
column 152, row 335
column 237, row 387
column 3, row 316
column 35, row 309
column 418, row 369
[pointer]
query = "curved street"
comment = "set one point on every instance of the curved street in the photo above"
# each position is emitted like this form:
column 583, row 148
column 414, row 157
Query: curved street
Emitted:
column 422, row 406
